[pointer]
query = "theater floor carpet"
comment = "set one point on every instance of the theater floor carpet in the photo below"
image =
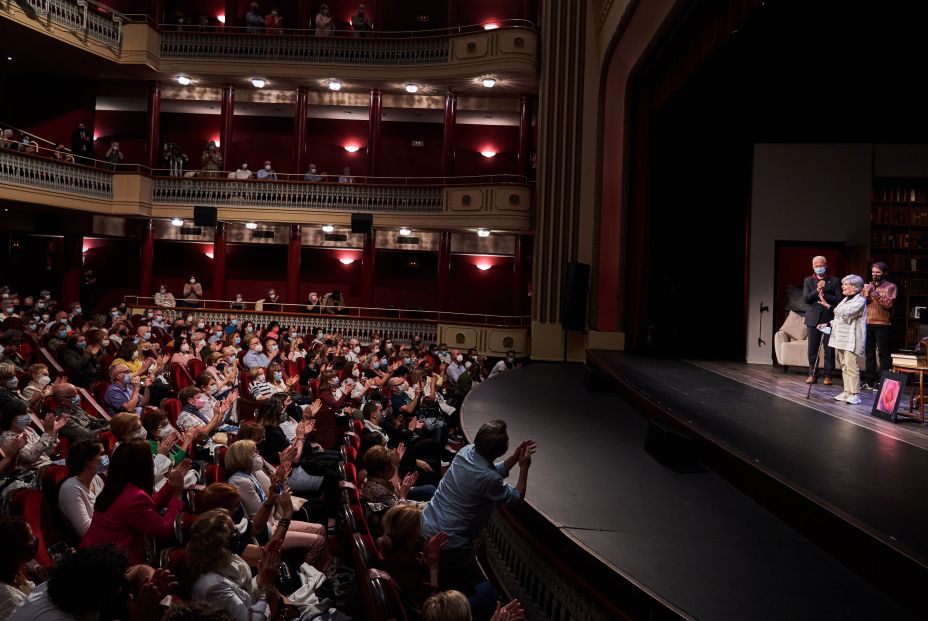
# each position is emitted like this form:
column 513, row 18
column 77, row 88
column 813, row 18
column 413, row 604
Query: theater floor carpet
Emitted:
column 692, row 538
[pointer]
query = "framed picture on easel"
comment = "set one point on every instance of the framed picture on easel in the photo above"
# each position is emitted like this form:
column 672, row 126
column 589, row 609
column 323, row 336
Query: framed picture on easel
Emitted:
column 892, row 391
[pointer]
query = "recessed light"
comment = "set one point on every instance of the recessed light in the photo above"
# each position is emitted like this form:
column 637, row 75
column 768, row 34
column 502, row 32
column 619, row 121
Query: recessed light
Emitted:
column 483, row 232
column 221, row 19
column 258, row 82
column 488, row 153
column 483, row 266
column 405, row 232
column 327, row 228
column 491, row 26
column 335, row 85
column 251, row 226
column 346, row 261
column 412, row 87
column 488, row 82
column 184, row 80
column 177, row 222
column 9, row 58
column 352, row 148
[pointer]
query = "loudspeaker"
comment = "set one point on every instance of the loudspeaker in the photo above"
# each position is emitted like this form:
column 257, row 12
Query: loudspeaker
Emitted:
column 204, row 216
column 362, row 223
column 573, row 298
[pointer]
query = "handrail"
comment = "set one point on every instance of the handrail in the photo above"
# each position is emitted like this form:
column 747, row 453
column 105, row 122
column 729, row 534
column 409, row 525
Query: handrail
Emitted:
column 40, row 172
column 353, row 312
column 311, row 32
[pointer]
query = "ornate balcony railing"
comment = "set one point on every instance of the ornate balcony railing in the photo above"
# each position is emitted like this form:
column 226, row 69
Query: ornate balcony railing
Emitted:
column 51, row 175
column 298, row 195
column 94, row 21
column 305, row 48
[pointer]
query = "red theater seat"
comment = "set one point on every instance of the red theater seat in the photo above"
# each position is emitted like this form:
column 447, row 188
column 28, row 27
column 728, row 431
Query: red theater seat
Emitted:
column 172, row 408
column 30, row 505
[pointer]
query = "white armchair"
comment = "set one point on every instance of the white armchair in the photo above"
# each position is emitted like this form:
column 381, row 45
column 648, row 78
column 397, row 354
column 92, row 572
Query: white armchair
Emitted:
column 790, row 343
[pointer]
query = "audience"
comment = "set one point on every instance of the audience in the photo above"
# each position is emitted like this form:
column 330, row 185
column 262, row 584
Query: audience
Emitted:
column 19, row 547
column 164, row 298
column 273, row 23
column 80, row 425
column 211, row 160
column 267, row 172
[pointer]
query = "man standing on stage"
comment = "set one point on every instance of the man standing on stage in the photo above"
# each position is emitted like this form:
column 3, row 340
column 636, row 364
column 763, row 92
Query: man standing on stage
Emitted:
column 822, row 293
column 880, row 295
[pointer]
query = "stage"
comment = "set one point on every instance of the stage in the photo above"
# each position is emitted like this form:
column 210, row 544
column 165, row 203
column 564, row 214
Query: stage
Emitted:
column 704, row 540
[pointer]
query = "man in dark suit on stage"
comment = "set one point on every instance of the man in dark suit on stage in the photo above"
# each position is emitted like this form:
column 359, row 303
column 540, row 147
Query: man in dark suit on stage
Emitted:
column 822, row 293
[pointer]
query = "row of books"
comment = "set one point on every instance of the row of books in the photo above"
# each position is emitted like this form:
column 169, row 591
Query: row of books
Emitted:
column 909, row 358
column 916, row 215
column 913, row 286
column 900, row 193
column 892, row 239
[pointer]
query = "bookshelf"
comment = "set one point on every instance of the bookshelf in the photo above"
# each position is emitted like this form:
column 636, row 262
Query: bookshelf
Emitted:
column 899, row 236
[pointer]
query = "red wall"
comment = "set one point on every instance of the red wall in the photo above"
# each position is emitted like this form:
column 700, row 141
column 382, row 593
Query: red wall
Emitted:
column 175, row 262
column 191, row 132
column 400, row 159
column 475, row 291
column 115, row 263
column 327, row 140
column 259, row 138
column 483, row 11
column 321, row 271
column 56, row 104
column 470, row 140
column 128, row 128
column 399, row 286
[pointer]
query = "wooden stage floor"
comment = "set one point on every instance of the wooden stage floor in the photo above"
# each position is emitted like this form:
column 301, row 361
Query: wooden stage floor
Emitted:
column 692, row 539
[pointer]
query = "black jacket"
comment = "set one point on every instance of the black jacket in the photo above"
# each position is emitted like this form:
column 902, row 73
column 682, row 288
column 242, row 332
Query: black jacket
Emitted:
column 818, row 314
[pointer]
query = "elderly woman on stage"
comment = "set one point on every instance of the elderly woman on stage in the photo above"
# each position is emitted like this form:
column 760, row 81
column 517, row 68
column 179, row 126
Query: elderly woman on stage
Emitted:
column 849, row 336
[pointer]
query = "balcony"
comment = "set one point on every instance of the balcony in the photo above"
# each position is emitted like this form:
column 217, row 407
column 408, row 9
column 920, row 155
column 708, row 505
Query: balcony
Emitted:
column 501, row 201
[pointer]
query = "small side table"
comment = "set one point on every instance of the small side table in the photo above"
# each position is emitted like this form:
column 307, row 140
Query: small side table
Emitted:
column 920, row 373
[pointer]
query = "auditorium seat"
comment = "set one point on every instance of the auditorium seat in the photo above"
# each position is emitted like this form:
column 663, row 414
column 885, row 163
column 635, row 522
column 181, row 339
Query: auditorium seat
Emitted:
column 106, row 361
column 214, row 474
column 195, row 367
column 349, row 471
column 99, row 391
column 172, row 408
column 30, row 505
column 387, row 602
column 220, row 455
column 180, row 377
column 108, row 440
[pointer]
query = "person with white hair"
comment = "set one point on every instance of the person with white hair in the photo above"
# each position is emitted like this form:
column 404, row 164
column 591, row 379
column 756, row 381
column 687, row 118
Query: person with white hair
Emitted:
column 821, row 293
column 849, row 336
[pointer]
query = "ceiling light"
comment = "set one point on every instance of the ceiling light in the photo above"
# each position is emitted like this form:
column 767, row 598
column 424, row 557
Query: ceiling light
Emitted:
column 488, row 153
column 184, row 80
column 405, row 232
column 221, row 19
column 327, row 228
column 488, row 82
column 251, row 226
column 351, row 148
column 483, row 232
column 335, row 85
column 177, row 222
column 491, row 26
column 483, row 266
column 412, row 87
column 258, row 82
column 9, row 58
column 346, row 261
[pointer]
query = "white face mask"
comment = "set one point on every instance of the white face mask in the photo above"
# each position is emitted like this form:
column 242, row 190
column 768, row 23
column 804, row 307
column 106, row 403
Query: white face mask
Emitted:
column 193, row 280
column 185, row 348
column 44, row 381
column 356, row 373
column 259, row 348
column 268, row 168
column 164, row 431
column 460, row 358
column 141, row 433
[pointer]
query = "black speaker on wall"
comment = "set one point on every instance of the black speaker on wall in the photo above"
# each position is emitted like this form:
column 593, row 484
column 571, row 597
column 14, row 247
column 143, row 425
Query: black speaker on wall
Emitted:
column 362, row 223
column 574, row 295
column 204, row 216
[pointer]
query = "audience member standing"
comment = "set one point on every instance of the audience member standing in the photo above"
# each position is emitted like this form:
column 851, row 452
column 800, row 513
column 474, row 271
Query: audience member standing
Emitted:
column 254, row 21
column 81, row 144
column 211, row 160
column 273, row 22
column 324, row 24
column 361, row 22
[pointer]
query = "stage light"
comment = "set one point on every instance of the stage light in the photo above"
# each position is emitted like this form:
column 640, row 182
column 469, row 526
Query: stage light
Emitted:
column 346, row 261
column 490, row 26
column 483, row 266
column 251, row 226
column 351, row 148
column 412, row 88
column 488, row 82
column 177, row 222
column 487, row 153
column 335, row 85
column 221, row 19
column 184, row 80
column 483, row 232
column 405, row 232
column 327, row 228
column 258, row 82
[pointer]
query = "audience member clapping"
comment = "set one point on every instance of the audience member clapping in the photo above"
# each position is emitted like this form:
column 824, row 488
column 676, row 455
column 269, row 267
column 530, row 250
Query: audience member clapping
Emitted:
column 35, row 452
column 79, row 492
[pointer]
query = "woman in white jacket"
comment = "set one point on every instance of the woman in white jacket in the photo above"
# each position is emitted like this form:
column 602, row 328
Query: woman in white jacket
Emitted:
column 849, row 336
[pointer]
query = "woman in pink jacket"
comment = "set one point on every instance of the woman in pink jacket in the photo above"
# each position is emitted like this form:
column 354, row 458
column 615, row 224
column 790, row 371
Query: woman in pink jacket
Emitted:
column 125, row 511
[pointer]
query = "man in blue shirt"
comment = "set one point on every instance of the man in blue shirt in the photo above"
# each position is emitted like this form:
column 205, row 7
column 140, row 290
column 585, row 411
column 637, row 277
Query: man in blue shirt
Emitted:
column 254, row 357
column 467, row 496
column 124, row 392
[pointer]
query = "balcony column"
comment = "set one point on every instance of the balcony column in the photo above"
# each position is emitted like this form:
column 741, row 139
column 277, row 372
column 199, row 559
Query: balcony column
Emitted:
column 447, row 136
column 525, row 135
column 219, row 262
column 368, row 259
column 147, row 257
column 453, row 14
column 299, row 126
column 71, row 274
column 518, row 276
column 154, row 124
column 444, row 270
column 232, row 17
column 157, row 11
column 293, row 264
column 305, row 17
column 375, row 125
column 226, row 131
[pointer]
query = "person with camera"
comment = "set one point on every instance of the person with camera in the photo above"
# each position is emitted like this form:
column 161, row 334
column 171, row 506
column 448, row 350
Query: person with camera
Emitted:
column 113, row 156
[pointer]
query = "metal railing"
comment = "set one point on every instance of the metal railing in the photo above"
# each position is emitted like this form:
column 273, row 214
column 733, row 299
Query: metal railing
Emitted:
column 90, row 19
column 303, row 195
column 48, row 174
column 259, row 311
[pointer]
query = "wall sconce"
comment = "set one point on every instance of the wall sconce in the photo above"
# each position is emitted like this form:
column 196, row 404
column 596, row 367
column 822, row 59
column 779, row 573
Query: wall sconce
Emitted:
column 184, row 80
column 346, row 261
column 488, row 82
column 177, row 222
column 335, row 85
column 483, row 232
column 488, row 153
column 327, row 228
column 352, row 148
column 483, row 266
column 221, row 19
column 490, row 26
column 258, row 82
column 209, row 254
column 405, row 232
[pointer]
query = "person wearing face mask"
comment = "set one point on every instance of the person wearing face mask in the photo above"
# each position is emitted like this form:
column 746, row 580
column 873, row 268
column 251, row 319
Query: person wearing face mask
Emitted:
column 36, row 452
column 361, row 23
column 354, row 351
column 81, row 361
column 456, row 367
column 80, row 425
column 267, row 172
column 506, row 364
column 273, row 349
column 311, row 174
column 125, row 391
column 19, row 547
column 255, row 357
column 242, row 173
column 196, row 413
column 193, row 291
column 164, row 298
column 183, row 355
column 130, row 356
column 79, row 491
column 406, row 401
column 8, row 310
column 880, row 295
column 238, row 303
column 9, row 385
column 330, row 392
column 325, row 26
column 39, row 385
column 313, row 304
column 258, row 386
column 821, row 293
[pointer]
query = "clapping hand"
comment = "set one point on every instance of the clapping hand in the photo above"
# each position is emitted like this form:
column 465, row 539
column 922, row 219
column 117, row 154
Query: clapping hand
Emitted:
column 146, row 605
column 409, row 481
column 53, row 425
column 315, row 407
column 432, row 549
column 510, row 612
column 526, row 450
column 267, row 566
column 399, row 451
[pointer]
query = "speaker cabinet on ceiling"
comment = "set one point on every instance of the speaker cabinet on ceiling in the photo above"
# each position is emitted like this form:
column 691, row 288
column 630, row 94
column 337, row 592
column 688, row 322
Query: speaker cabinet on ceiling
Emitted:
column 362, row 223
column 204, row 216
column 574, row 296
